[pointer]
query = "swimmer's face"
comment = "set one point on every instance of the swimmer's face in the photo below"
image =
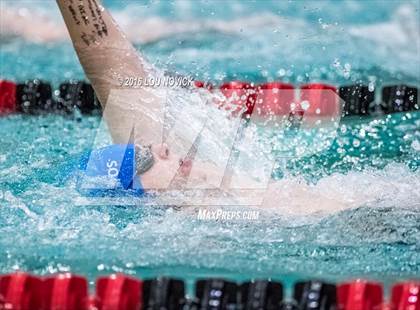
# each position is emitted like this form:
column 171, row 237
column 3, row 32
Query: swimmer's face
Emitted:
column 161, row 150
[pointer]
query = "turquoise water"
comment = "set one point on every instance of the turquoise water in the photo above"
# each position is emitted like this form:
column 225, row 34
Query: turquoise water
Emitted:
column 370, row 170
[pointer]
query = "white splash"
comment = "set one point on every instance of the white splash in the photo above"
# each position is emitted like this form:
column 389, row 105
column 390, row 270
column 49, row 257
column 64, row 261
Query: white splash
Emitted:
column 394, row 186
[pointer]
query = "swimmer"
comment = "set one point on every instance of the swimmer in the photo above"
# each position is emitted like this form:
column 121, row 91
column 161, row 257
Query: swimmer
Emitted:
column 107, row 55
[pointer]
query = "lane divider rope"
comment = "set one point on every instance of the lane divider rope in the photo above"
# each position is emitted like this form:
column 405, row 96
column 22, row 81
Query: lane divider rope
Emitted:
column 23, row 291
column 264, row 100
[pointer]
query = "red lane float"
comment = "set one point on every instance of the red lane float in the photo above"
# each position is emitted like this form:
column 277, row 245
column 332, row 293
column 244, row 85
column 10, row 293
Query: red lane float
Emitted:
column 274, row 99
column 317, row 99
column 241, row 94
column 7, row 97
column 65, row 292
column 20, row 291
column 360, row 295
column 118, row 292
column 201, row 84
column 405, row 296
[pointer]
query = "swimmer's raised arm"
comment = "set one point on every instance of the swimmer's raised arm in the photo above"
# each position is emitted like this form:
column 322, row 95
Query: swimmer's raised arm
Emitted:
column 108, row 58
column 103, row 50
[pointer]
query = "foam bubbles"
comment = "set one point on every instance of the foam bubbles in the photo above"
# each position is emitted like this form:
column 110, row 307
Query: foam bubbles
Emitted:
column 326, row 211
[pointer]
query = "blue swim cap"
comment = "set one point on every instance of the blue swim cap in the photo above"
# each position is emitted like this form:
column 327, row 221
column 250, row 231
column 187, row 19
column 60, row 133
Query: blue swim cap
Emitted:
column 110, row 171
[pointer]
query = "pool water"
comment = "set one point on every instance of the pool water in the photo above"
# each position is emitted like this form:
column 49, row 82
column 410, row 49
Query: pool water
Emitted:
column 371, row 168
